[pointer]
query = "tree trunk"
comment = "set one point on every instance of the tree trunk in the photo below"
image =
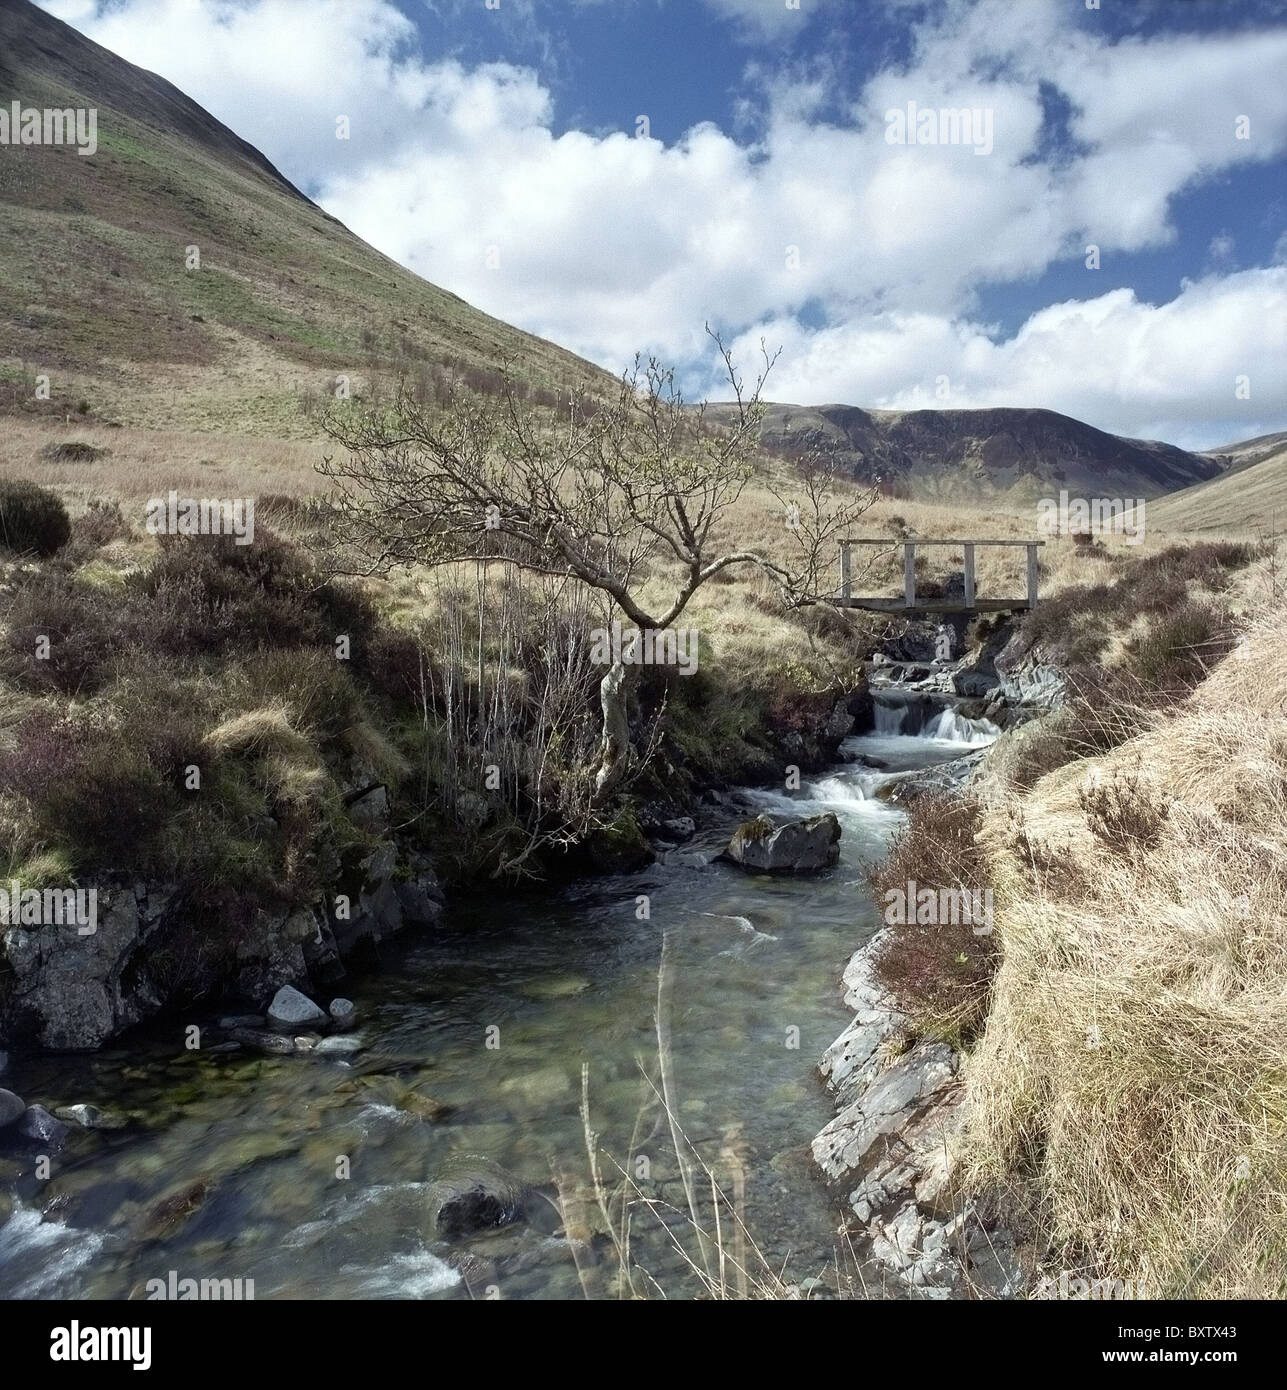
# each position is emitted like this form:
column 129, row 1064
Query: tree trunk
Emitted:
column 614, row 746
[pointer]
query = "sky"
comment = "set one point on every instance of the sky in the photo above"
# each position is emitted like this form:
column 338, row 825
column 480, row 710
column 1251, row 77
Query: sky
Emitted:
column 1106, row 235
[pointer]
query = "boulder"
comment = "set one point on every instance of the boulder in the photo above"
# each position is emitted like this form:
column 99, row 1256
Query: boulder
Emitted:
column 262, row 1041
column 89, row 1117
column 680, row 828
column 40, row 1125
column 343, row 1013
column 12, row 1108
column 291, row 1010
column 474, row 1195
column 764, row 845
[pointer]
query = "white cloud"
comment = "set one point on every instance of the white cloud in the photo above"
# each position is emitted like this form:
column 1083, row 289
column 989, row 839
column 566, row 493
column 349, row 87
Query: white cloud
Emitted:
column 1166, row 371
column 610, row 244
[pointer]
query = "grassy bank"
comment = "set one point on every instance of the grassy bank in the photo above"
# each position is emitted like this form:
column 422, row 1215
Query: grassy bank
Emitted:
column 1124, row 1025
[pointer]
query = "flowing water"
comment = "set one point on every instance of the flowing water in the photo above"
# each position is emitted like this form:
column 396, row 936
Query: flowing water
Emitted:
column 232, row 1165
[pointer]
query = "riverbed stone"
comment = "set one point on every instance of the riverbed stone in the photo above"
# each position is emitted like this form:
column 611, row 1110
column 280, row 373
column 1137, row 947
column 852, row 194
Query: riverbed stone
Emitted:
column 90, row 1116
column 339, row 1046
column 766, row 845
column 39, row 1125
column 473, row 1194
column 262, row 1040
column 290, row 1009
column 679, row 828
column 12, row 1108
column 343, row 1013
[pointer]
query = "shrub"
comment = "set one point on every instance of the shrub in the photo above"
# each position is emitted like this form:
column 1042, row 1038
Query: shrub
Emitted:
column 1175, row 653
column 1123, row 814
column 33, row 520
column 73, row 451
column 99, row 525
column 61, row 635
column 939, row 976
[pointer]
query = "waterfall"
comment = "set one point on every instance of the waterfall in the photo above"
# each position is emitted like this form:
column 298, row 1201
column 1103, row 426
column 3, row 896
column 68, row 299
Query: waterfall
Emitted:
column 889, row 718
column 955, row 728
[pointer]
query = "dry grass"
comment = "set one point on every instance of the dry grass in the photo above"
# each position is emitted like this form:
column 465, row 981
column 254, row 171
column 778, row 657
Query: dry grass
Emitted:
column 1133, row 1062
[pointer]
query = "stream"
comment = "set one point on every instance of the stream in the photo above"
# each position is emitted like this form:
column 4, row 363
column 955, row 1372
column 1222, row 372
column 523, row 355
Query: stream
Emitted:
column 231, row 1164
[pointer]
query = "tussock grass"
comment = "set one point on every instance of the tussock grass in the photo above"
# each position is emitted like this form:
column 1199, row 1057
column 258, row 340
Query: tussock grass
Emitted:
column 1132, row 1066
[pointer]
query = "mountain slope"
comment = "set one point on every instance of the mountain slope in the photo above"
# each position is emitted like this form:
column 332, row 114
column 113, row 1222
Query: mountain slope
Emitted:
column 1022, row 453
column 1252, row 496
column 94, row 290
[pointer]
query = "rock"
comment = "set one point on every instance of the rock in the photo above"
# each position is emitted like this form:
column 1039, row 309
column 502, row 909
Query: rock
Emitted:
column 40, row 1125
column 541, row 1087
column 90, row 1117
column 343, row 1013
column 12, row 1108
column 681, row 828
column 4, row 1063
column 421, row 901
column 262, row 1040
column 306, row 1042
column 370, row 810
column 242, row 1021
column 792, row 846
column 885, row 1107
column 71, row 985
column 338, row 1046
column 473, row 1195
column 290, row 1009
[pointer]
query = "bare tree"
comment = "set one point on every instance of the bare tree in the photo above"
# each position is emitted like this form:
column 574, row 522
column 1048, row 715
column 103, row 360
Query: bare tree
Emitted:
column 612, row 493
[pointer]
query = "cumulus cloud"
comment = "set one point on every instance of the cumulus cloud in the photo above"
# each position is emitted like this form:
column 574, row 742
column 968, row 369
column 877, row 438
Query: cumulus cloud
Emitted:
column 611, row 244
column 1170, row 371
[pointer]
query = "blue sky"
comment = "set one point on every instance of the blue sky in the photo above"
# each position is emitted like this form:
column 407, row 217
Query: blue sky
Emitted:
column 496, row 151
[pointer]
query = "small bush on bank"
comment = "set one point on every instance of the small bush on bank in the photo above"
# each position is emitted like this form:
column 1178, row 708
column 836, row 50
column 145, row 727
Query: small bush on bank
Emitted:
column 938, row 974
column 33, row 520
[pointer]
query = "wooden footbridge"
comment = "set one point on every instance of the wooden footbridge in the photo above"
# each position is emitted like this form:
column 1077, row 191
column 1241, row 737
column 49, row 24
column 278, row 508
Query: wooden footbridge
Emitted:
column 908, row 606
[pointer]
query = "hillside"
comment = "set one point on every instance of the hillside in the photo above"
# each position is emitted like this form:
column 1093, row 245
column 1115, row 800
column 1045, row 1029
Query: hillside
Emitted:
column 1252, row 496
column 967, row 453
column 93, row 286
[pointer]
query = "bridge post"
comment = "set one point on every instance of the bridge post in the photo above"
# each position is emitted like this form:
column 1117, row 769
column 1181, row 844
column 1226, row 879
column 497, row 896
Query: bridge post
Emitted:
column 969, row 576
column 1032, row 575
column 909, row 573
column 846, row 584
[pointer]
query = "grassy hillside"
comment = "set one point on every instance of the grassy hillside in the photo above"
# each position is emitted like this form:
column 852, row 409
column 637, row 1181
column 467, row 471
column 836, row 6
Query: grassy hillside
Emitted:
column 1131, row 1076
column 1252, row 497
column 94, row 291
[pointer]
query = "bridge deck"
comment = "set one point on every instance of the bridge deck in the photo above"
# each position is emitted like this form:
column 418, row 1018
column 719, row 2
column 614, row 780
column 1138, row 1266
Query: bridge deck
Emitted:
column 908, row 605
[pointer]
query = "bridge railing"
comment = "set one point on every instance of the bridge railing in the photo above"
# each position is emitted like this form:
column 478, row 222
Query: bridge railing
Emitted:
column 970, row 604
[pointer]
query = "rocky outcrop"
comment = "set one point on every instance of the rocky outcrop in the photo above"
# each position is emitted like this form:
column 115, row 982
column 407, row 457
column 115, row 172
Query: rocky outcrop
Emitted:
column 892, row 1151
column 768, row 846
column 71, row 992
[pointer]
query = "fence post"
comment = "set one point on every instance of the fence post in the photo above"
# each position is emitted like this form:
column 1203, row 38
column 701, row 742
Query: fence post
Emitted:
column 1032, row 576
column 846, row 587
column 969, row 576
column 909, row 574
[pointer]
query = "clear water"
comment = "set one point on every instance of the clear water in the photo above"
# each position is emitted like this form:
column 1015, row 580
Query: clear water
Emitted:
column 229, row 1166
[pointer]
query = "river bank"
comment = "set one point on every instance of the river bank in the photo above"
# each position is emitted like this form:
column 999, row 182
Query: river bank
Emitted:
column 226, row 1163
